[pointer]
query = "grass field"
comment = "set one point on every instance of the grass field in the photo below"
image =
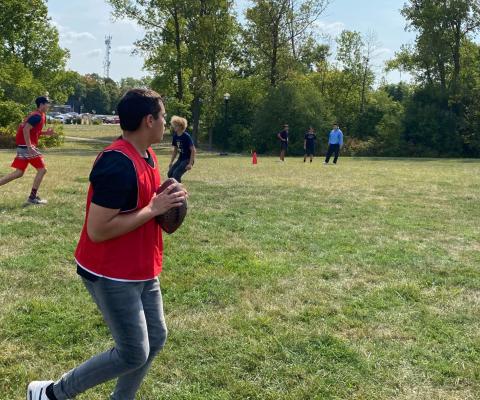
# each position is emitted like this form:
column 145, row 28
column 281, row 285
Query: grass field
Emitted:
column 102, row 132
column 287, row 281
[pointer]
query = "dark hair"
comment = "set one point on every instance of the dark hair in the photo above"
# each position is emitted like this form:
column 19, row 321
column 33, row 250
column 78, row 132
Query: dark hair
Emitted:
column 136, row 104
column 41, row 100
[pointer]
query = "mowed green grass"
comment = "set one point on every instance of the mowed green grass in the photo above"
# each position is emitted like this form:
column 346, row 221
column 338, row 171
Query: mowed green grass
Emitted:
column 286, row 281
column 102, row 132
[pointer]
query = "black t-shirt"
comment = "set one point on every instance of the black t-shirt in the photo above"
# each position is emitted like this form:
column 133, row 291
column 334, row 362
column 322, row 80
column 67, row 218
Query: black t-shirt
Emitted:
column 310, row 138
column 34, row 119
column 183, row 143
column 114, row 181
column 284, row 135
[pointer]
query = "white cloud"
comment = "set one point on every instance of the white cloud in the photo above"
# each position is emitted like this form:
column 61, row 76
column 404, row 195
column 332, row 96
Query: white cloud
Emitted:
column 330, row 28
column 69, row 36
column 93, row 53
column 123, row 49
column 72, row 36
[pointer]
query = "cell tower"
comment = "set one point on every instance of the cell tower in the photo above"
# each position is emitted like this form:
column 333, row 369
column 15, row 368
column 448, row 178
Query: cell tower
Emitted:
column 107, row 62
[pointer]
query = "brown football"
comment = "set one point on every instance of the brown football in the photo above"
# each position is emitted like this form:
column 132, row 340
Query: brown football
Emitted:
column 173, row 218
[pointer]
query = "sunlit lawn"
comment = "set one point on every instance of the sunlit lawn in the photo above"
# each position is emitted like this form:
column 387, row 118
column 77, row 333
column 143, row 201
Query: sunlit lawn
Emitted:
column 287, row 281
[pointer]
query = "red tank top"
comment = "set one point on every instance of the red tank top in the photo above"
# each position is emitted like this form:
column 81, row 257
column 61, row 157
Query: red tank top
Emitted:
column 34, row 132
column 137, row 255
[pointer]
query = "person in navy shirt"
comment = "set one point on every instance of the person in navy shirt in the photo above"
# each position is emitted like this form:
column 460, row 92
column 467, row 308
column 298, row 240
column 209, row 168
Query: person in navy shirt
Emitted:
column 335, row 143
column 309, row 144
column 182, row 144
column 283, row 137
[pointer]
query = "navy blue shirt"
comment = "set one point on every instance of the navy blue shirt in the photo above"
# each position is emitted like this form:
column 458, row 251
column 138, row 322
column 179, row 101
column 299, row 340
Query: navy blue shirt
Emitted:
column 183, row 143
column 114, row 181
column 284, row 135
column 310, row 138
column 34, row 120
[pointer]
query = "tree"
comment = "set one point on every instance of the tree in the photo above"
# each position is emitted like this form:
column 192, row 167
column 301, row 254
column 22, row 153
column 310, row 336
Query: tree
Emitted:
column 163, row 44
column 442, row 25
column 17, row 82
column 131, row 83
column 212, row 30
column 187, row 44
column 27, row 35
column 436, row 114
column 96, row 97
column 301, row 15
column 276, row 29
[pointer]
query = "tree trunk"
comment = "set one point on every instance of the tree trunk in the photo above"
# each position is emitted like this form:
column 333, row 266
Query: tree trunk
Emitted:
column 364, row 84
column 456, row 58
column 179, row 55
column 213, row 94
column 292, row 31
column 273, row 60
column 196, row 117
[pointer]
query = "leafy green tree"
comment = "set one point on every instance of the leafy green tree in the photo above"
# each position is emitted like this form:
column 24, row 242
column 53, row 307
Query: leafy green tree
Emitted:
column 27, row 34
column 277, row 32
column 294, row 102
column 17, row 82
column 96, row 97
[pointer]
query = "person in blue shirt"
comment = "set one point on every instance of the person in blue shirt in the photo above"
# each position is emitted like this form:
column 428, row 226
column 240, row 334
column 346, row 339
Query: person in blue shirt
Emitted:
column 283, row 137
column 335, row 143
column 309, row 144
column 182, row 144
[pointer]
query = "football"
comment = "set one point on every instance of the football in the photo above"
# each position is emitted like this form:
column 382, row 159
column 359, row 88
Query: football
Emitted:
column 173, row 218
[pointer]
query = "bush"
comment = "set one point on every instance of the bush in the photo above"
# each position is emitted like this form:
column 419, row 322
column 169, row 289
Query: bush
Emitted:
column 7, row 137
column 55, row 140
column 358, row 147
column 10, row 113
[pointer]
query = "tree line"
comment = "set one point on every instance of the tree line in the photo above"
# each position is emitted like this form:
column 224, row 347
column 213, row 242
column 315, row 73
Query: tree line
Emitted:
column 277, row 69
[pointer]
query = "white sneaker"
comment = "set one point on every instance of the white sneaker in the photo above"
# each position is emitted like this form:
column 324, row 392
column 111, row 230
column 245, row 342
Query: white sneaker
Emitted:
column 36, row 201
column 36, row 390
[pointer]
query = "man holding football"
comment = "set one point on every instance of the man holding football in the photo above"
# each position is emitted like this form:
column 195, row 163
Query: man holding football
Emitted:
column 119, row 254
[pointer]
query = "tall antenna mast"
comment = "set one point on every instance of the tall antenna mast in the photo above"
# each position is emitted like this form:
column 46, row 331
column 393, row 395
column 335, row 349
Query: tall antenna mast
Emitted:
column 107, row 62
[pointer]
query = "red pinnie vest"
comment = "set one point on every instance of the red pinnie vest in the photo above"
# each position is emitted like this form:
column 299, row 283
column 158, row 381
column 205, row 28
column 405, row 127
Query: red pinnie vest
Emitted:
column 137, row 255
column 35, row 132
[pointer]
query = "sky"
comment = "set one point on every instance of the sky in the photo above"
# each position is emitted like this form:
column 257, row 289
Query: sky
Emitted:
column 84, row 24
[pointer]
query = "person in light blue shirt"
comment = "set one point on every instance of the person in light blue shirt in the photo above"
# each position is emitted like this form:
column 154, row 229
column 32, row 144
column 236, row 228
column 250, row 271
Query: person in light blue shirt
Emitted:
column 335, row 143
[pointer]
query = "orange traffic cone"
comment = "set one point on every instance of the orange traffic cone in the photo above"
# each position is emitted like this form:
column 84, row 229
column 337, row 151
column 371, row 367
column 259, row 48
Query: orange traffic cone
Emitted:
column 254, row 158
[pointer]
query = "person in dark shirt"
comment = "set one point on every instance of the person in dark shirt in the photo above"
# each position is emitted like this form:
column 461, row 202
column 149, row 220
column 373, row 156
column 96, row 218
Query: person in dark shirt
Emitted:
column 283, row 137
column 182, row 144
column 309, row 144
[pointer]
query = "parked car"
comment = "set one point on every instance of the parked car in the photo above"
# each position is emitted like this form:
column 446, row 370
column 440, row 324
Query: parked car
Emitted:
column 112, row 119
column 63, row 118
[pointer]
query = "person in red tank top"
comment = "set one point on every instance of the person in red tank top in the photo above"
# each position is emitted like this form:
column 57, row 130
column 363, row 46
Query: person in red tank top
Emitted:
column 119, row 254
column 27, row 137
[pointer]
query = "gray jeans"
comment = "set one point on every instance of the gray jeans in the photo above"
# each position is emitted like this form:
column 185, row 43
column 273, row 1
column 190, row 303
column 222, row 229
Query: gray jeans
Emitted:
column 133, row 312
